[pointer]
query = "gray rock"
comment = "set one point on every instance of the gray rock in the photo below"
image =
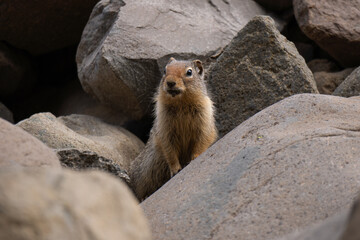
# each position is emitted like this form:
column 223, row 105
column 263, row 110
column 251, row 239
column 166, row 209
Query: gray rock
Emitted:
column 124, row 47
column 85, row 133
column 350, row 86
column 331, row 25
column 41, row 27
column 54, row 204
column 342, row 226
column 327, row 82
column 85, row 160
column 329, row 229
column 6, row 114
column 258, row 68
column 291, row 165
column 18, row 148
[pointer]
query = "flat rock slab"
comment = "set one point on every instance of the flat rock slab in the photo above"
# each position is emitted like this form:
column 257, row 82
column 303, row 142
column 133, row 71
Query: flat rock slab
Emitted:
column 333, row 26
column 258, row 68
column 124, row 47
column 292, row 164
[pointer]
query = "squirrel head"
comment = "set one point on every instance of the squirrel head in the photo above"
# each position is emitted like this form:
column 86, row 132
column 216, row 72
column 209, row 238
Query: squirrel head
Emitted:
column 182, row 77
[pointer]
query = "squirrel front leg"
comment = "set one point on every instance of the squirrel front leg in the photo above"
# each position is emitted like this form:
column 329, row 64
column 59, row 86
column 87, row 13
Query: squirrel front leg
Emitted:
column 171, row 157
column 173, row 162
column 203, row 143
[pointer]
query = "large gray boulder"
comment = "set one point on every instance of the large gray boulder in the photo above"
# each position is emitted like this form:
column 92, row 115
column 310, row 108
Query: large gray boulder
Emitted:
column 291, row 165
column 85, row 133
column 350, row 86
column 124, row 47
column 258, row 68
column 19, row 149
column 48, row 204
column 331, row 25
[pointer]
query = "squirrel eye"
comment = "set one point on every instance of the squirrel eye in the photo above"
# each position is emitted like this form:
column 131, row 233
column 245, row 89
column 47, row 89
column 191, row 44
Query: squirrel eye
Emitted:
column 189, row 72
column 165, row 70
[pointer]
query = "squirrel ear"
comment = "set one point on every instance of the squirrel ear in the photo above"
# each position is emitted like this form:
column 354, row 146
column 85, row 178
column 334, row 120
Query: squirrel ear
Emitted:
column 199, row 66
column 171, row 60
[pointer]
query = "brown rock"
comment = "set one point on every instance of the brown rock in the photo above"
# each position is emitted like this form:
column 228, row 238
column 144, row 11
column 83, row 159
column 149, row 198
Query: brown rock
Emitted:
column 350, row 86
column 18, row 148
column 258, row 68
column 85, row 133
column 322, row 65
column 64, row 204
column 327, row 82
column 291, row 165
column 121, row 56
column 40, row 27
column 5, row 113
column 331, row 25
column 342, row 226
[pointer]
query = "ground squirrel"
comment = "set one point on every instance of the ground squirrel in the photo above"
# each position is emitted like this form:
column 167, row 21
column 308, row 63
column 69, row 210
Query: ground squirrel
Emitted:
column 184, row 127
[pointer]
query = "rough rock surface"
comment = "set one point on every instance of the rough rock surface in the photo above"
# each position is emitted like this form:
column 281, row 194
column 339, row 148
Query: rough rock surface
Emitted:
column 64, row 204
column 16, row 71
column 258, row 68
column 40, row 27
column 350, row 86
column 327, row 82
column 291, row 165
column 85, row 133
column 329, row 229
column 331, row 25
column 19, row 148
column 342, row 226
column 5, row 113
column 85, row 160
column 123, row 46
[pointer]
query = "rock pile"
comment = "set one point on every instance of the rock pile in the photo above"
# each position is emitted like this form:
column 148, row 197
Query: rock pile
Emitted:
column 77, row 80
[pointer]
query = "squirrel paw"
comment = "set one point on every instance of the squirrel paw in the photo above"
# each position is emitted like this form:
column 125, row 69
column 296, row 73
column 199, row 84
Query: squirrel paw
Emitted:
column 175, row 169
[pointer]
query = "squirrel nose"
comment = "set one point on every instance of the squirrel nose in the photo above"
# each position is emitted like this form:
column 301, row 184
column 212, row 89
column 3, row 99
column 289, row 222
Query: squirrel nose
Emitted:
column 170, row 84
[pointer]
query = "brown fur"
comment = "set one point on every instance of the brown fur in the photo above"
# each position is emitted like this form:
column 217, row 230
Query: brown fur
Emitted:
column 184, row 127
